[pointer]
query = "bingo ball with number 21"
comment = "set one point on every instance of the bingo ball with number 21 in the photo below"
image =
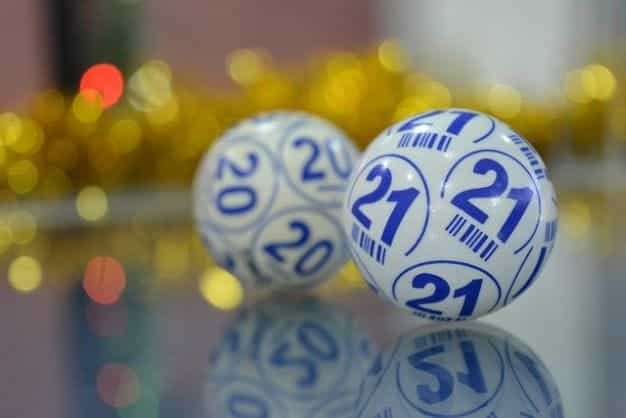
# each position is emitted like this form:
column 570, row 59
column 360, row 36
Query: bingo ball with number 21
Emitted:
column 268, row 196
column 450, row 214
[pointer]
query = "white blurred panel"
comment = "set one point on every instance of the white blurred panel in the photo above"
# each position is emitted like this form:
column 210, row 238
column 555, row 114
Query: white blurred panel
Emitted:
column 528, row 44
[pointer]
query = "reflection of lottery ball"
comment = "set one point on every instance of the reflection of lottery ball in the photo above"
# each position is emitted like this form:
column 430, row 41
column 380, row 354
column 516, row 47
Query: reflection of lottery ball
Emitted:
column 267, row 199
column 473, row 371
column 289, row 360
column 450, row 214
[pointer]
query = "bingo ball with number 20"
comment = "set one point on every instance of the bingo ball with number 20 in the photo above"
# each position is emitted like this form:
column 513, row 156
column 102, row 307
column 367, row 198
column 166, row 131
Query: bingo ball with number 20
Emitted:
column 450, row 214
column 268, row 196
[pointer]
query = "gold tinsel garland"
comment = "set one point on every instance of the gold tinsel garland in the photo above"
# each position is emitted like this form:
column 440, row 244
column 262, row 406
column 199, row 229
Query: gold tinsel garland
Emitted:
column 157, row 134
column 72, row 147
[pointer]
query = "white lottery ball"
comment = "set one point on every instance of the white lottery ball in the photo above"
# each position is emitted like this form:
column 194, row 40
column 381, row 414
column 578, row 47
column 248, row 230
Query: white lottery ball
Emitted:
column 289, row 360
column 267, row 199
column 472, row 371
column 450, row 214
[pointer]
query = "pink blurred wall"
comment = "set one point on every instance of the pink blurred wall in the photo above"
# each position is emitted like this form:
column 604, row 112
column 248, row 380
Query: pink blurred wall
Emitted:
column 198, row 38
column 23, row 57
column 194, row 36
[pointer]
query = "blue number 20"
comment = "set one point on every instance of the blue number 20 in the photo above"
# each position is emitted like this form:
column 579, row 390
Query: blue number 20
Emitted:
column 325, row 247
column 240, row 191
column 309, row 173
column 402, row 198
column 522, row 197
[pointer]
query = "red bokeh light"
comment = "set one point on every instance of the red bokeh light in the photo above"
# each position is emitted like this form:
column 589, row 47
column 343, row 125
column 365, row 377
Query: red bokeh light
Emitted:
column 117, row 385
column 104, row 280
column 107, row 80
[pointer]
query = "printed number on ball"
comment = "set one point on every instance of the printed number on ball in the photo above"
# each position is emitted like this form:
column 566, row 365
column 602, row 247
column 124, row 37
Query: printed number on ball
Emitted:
column 385, row 199
column 446, row 289
column 242, row 169
column 474, row 126
column 299, row 243
column 476, row 184
column 319, row 164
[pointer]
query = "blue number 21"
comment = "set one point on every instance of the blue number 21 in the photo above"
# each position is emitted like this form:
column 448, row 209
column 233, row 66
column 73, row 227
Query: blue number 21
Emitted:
column 455, row 128
column 403, row 200
column 441, row 290
column 522, row 197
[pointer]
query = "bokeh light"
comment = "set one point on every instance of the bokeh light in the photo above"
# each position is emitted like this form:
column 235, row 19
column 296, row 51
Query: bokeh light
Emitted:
column 25, row 274
column 392, row 56
column 598, row 82
column 575, row 218
column 117, row 385
column 92, row 203
column 107, row 80
column 574, row 89
column 104, row 280
column 245, row 66
column 87, row 106
column 49, row 107
column 22, row 176
column 6, row 238
column 221, row 289
column 10, row 128
column 504, row 101
column 594, row 81
column 150, row 87
column 351, row 276
column 23, row 227
column 125, row 136
column 30, row 139
column 164, row 115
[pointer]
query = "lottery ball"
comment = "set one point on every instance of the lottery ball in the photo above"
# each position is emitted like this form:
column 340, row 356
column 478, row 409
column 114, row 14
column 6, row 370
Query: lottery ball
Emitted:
column 283, row 359
column 472, row 371
column 450, row 214
column 268, row 196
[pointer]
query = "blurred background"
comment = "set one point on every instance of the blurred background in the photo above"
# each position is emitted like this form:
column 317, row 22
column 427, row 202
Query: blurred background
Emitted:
column 106, row 106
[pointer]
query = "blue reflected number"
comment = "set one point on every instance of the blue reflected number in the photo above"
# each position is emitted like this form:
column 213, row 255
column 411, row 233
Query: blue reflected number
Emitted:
column 473, row 378
column 403, row 200
column 310, row 173
column 441, row 290
column 235, row 200
column 303, row 265
column 522, row 197
column 318, row 345
column 246, row 406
